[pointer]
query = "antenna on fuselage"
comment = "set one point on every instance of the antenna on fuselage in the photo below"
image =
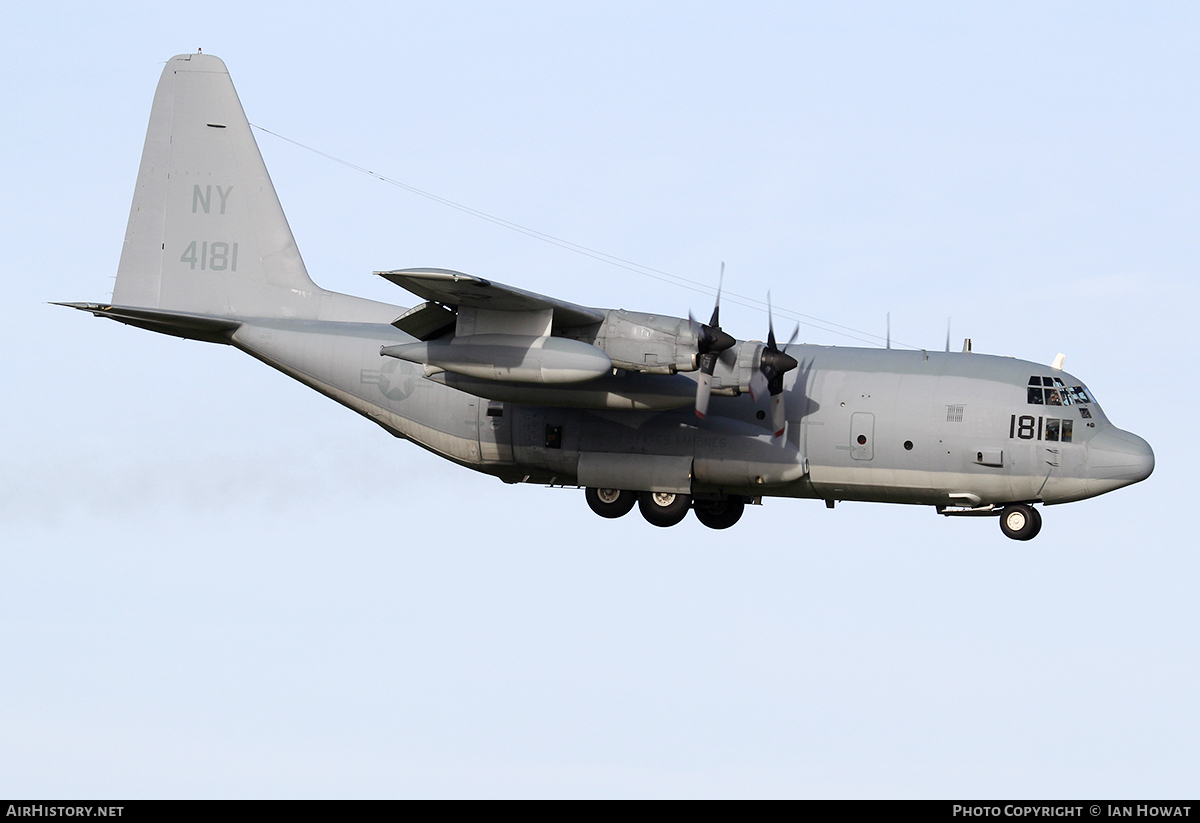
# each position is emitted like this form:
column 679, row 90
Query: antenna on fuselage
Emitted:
column 947, row 335
column 889, row 330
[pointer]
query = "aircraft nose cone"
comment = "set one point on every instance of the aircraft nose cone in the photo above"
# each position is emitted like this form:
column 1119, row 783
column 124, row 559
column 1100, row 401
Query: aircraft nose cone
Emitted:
column 1119, row 457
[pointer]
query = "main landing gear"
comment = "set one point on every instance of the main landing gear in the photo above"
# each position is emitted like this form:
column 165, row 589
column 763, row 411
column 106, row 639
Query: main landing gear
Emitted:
column 665, row 508
column 720, row 514
column 1020, row 521
column 610, row 502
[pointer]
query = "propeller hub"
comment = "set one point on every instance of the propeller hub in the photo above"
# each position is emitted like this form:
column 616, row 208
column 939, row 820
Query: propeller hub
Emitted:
column 712, row 339
column 776, row 361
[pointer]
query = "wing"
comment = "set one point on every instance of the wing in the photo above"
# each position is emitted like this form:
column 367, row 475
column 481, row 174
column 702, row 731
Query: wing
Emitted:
column 458, row 291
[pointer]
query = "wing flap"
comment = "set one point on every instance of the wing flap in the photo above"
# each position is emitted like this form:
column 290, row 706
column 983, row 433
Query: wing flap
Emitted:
column 426, row 321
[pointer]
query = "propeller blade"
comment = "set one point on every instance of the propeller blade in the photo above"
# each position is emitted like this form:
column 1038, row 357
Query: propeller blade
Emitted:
column 715, row 322
column 710, row 343
column 792, row 339
column 773, row 364
column 758, row 385
column 703, row 392
column 777, row 415
column 770, row 325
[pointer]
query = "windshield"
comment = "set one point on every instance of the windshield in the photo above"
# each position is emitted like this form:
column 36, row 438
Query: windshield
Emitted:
column 1051, row 391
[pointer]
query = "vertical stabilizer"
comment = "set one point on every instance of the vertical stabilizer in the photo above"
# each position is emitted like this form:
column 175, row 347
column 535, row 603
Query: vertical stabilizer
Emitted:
column 206, row 232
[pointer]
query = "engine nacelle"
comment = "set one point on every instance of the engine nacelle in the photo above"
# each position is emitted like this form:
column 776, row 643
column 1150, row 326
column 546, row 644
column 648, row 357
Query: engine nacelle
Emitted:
column 648, row 343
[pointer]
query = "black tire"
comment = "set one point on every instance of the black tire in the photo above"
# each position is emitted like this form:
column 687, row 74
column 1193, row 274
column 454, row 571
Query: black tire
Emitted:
column 610, row 503
column 663, row 508
column 1020, row 522
column 1037, row 523
column 719, row 514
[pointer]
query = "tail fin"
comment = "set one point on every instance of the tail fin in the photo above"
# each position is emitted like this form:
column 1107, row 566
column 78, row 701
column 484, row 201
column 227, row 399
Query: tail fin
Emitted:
column 206, row 232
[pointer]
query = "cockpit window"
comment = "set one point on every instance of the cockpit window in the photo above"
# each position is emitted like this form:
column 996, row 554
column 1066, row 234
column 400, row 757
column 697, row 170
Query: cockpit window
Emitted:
column 1051, row 391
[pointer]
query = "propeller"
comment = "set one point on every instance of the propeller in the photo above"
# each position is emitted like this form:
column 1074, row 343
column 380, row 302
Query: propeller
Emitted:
column 773, row 364
column 710, row 342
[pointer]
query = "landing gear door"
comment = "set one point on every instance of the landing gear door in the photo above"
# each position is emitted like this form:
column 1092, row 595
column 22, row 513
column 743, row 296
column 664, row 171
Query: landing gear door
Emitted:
column 862, row 436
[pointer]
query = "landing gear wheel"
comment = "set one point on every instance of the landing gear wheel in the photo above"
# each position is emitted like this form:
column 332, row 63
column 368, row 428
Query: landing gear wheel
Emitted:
column 664, row 508
column 610, row 502
column 719, row 514
column 1020, row 522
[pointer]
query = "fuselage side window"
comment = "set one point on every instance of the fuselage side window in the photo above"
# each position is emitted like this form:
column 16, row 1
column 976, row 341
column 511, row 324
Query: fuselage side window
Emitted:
column 1053, row 429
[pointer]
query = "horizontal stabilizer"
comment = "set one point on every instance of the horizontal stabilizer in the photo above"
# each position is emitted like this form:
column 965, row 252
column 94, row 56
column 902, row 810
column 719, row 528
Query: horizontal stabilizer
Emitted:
column 177, row 324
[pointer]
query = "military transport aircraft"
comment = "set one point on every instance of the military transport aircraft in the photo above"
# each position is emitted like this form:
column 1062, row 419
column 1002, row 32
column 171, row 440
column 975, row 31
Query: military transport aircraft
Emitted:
column 663, row 412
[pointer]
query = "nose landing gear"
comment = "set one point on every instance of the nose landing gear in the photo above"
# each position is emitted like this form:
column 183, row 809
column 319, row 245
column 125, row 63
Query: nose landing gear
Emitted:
column 1020, row 521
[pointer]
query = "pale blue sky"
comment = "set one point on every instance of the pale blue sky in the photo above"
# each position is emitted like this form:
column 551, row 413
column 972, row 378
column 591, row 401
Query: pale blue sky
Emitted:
column 218, row 583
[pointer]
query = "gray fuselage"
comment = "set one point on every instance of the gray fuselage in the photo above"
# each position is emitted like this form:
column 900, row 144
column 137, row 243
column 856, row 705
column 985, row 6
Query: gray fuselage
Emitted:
column 932, row 428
